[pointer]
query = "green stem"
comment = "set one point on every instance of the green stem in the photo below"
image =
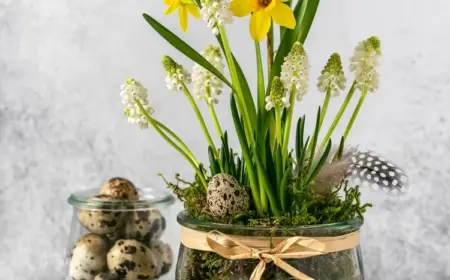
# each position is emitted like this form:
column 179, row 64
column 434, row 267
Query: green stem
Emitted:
column 202, row 123
column 183, row 153
column 180, row 142
column 212, row 111
column 278, row 125
column 339, row 115
column 287, row 125
column 270, row 48
column 260, row 74
column 237, row 86
column 355, row 113
column 325, row 106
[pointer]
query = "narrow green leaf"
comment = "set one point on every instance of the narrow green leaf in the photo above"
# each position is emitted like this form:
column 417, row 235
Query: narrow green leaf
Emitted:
column 283, row 188
column 320, row 164
column 261, row 90
column 184, row 48
column 314, row 140
column 270, row 164
column 304, row 13
column 341, row 149
column 214, row 165
column 246, row 154
column 278, row 165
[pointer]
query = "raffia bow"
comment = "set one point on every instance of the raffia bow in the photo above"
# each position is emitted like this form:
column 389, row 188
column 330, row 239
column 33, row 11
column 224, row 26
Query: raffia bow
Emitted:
column 267, row 249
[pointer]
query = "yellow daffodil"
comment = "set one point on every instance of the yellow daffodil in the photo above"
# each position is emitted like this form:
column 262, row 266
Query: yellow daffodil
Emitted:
column 183, row 6
column 263, row 12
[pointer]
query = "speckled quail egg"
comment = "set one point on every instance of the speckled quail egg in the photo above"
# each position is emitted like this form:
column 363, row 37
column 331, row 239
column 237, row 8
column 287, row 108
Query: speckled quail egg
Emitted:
column 88, row 257
column 120, row 188
column 163, row 255
column 102, row 221
column 107, row 276
column 131, row 260
column 226, row 197
column 145, row 225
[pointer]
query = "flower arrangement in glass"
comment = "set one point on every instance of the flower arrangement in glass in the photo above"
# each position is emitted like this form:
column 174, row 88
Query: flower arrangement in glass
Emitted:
column 302, row 200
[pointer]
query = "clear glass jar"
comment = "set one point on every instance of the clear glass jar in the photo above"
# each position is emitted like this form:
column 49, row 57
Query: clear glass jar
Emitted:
column 343, row 265
column 119, row 238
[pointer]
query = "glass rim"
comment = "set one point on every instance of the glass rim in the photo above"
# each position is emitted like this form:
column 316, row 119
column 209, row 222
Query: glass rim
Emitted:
column 149, row 198
column 193, row 223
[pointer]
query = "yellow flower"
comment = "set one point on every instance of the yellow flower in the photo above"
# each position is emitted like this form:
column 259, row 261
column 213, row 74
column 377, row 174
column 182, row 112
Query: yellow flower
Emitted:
column 263, row 11
column 183, row 6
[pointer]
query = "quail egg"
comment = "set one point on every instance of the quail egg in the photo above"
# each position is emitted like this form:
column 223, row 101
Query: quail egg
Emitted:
column 164, row 256
column 107, row 276
column 88, row 257
column 145, row 225
column 120, row 188
column 102, row 221
column 131, row 260
column 226, row 197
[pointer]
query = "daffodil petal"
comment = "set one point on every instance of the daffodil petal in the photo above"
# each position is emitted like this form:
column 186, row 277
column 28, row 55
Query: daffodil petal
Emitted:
column 283, row 15
column 183, row 17
column 168, row 2
column 241, row 8
column 172, row 8
column 193, row 10
column 259, row 25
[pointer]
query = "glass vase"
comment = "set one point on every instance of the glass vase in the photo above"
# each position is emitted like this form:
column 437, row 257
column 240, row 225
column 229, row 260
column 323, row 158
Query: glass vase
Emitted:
column 342, row 265
column 118, row 238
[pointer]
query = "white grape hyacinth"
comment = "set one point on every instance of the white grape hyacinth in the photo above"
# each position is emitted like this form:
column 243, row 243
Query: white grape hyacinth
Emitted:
column 295, row 71
column 176, row 75
column 332, row 77
column 131, row 91
column 206, row 85
column 216, row 13
column 279, row 97
column 364, row 63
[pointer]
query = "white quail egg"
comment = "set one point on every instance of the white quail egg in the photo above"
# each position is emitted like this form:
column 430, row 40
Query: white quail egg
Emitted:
column 145, row 225
column 102, row 221
column 88, row 257
column 164, row 256
column 226, row 197
column 120, row 188
column 131, row 260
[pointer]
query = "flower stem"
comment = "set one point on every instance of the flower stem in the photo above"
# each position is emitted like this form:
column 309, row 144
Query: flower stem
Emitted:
column 325, row 106
column 287, row 125
column 355, row 113
column 152, row 121
column 237, row 87
column 278, row 125
column 339, row 115
column 270, row 48
column 174, row 136
column 212, row 111
column 202, row 123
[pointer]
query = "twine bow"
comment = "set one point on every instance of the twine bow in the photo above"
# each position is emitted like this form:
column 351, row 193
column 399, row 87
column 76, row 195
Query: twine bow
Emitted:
column 235, row 247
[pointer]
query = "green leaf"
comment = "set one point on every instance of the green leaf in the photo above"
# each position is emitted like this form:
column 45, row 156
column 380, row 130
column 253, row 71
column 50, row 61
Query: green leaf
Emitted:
column 283, row 188
column 246, row 154
column 314, row 140
column 184, row 48
column 341, row 149
column 214, row 165
column 304, row 13
column 320, row 164
column 261, row 89
column 278, row 164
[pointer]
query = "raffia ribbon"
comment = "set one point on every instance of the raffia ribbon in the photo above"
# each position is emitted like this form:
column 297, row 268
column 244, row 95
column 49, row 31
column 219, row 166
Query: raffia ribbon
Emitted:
column 267, row 249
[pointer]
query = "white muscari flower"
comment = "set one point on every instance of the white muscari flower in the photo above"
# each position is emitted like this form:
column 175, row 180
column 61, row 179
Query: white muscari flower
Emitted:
column 216, row 13
column 133, row 90
column 278, row 97
column 364, row 64
column 295, row 71
column 332, row 77
column 176, row 75
column 207, row 85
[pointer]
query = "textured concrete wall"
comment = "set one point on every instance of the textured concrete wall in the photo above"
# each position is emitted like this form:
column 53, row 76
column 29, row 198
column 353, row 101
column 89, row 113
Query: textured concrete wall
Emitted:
column 62, row 129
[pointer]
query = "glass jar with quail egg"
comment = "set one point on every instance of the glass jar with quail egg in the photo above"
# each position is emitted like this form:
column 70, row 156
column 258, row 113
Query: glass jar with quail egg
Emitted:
column 118, row 231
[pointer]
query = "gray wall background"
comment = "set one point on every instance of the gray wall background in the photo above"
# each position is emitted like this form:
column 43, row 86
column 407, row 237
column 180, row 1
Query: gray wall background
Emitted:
column 62, row 128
